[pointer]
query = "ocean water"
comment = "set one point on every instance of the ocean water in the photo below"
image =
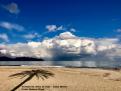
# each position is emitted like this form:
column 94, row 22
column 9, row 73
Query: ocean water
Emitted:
column 107, row 64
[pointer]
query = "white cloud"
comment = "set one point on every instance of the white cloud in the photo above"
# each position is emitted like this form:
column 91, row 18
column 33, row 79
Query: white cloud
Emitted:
column 52, row 28
column 11, row 26
column 67, row 35
column 67, row 46
column 73, row 30
column 31, row 35
column 34, row 44
column 12, row 8
column 4, row 37
column 61, row 28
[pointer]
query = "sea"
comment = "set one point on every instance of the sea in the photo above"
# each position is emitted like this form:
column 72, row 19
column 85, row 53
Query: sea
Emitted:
column 97, row 64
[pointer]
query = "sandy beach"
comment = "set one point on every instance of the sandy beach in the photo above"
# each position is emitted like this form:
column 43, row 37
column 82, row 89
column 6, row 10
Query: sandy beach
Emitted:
column 65, row 79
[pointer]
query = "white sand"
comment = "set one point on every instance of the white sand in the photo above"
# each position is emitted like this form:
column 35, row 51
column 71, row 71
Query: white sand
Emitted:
column 65, row 79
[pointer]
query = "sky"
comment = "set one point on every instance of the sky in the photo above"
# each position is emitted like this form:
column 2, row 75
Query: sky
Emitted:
column 27, row 20
column 59, row 30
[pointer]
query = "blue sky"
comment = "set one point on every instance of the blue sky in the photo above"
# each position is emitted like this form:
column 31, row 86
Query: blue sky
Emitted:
column 27, row 20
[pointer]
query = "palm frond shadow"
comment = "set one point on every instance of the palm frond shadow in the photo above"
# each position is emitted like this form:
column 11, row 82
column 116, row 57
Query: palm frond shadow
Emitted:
column 39, row 73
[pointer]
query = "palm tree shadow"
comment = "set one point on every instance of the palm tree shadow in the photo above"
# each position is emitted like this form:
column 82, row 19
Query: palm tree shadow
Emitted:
column 39, row 73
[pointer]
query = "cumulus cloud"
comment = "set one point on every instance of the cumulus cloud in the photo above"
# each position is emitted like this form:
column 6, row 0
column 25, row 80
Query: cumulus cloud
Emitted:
column 52, row 28
column 11, row 26
column 12, row 8
column 66, row 35
column 4, row 37
column 67, row 47
column 81, row 51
